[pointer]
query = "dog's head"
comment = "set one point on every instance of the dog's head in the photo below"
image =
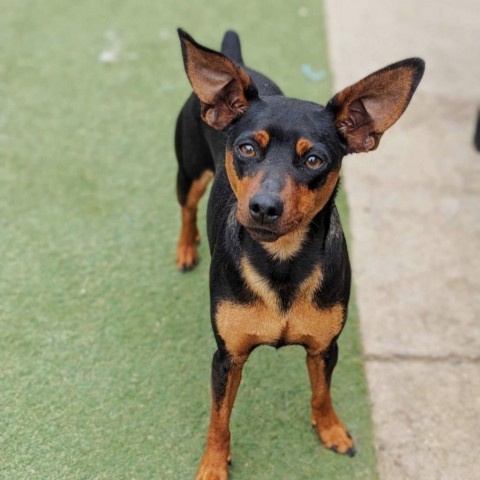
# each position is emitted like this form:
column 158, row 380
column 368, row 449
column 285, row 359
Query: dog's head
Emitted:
column 283, row 156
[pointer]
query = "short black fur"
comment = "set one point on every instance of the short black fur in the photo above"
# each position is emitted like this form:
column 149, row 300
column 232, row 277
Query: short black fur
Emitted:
column 275, row 160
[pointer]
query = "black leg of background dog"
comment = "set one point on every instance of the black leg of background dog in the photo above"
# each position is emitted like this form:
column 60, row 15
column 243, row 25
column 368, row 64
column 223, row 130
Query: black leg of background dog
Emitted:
column 476, row 139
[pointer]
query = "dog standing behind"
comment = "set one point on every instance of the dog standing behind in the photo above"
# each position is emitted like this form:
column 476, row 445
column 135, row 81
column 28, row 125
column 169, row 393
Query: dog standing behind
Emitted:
column 280, row 273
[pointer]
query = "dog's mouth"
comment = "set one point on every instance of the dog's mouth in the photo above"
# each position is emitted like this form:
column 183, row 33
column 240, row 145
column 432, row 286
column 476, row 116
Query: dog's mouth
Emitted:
column 263, row 234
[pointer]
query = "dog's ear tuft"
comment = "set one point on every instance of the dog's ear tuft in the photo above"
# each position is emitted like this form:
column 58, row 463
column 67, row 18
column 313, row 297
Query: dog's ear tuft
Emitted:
column 366, row 109
column 224, row 88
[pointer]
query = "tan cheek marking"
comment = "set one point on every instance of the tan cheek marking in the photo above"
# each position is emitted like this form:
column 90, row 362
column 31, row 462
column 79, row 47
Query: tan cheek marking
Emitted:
column 231, row 173
column 301, row 205
column 242, row 187
column 290, row 197
column 303, row 146
column 250, row 186
column 243, row 327
column 310, row 202
column 262, row 138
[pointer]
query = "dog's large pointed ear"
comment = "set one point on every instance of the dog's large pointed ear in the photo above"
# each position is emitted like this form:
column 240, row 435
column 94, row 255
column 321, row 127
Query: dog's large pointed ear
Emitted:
column 223, row 87
column 366, row 109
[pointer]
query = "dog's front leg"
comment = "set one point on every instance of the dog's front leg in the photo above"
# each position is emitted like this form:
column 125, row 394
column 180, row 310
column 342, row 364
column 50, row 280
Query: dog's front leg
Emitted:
column 330, row 429
column 226, row 377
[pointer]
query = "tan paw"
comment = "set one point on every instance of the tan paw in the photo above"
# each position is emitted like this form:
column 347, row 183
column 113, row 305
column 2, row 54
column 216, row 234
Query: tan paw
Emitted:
column 212, row 468
column 336, row 438
column 187, row 257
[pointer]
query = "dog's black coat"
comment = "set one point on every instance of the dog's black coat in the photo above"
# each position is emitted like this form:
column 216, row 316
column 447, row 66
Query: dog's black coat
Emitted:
column 347, row 124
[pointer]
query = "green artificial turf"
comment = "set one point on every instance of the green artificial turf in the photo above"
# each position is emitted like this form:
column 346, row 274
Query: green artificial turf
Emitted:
column 104, row 348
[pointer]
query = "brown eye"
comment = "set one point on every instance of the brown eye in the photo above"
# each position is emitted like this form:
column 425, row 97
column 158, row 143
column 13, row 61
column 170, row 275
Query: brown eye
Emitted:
column 313, row 162
column 247, row 150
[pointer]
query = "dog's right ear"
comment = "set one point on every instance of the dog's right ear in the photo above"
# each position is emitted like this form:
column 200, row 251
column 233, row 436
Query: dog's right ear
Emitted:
column 224, row 89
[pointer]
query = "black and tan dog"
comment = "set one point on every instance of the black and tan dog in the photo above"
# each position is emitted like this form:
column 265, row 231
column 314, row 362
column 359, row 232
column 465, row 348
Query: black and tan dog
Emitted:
column 280, row 273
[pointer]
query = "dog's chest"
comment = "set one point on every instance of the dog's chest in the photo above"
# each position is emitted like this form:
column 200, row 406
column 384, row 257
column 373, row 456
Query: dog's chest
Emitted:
column 264, row 322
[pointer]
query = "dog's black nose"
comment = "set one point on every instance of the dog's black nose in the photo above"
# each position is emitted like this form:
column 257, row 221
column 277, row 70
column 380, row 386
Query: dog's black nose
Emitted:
column 266, row 208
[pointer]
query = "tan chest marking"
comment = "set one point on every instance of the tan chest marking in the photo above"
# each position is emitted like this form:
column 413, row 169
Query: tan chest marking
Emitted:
column 243, row 327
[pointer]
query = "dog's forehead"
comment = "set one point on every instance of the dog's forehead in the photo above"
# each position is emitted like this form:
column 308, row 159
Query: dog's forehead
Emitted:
column 288, row 118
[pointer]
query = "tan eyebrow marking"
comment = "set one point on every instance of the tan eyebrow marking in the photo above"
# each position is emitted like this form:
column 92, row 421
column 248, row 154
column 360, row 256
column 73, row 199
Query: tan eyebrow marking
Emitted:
column 262, row 138
column 303, row 146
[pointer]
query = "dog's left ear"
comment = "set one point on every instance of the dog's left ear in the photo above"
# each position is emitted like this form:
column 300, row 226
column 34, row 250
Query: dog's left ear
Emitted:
column 223, row 87
column 366, row 109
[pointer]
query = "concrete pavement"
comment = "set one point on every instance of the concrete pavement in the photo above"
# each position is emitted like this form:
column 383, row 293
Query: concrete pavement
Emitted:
column 415, row 219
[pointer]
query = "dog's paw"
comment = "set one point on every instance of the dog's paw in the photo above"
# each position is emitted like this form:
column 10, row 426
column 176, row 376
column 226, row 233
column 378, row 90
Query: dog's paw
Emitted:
column 187, row 257
column 212, row 468
column 336, row 438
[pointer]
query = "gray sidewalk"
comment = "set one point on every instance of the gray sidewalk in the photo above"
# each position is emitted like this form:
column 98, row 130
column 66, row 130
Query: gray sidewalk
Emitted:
column 415, row 210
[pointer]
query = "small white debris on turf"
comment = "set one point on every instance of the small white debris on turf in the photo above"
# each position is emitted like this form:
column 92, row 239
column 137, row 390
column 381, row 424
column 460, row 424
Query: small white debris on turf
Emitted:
column 111, row 53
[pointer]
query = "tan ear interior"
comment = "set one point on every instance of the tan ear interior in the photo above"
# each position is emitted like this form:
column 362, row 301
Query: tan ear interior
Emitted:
column 366, row 109
column 218, row 82
column 384, row 96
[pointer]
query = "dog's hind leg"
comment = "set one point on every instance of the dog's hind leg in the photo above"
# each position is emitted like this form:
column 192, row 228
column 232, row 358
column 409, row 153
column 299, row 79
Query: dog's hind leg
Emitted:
column 187, row 255
column 195, row 170
column 330, row 429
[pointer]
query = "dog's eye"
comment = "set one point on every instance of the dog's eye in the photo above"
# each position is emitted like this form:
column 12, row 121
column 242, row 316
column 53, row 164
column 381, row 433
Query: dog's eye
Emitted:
column 247, row 150
column 313, row 162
